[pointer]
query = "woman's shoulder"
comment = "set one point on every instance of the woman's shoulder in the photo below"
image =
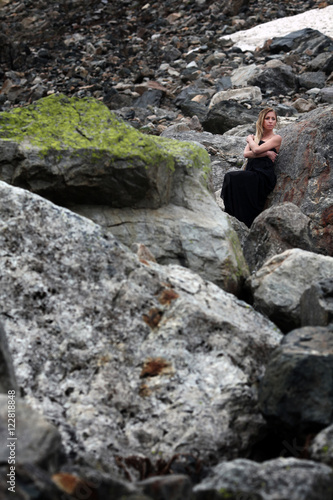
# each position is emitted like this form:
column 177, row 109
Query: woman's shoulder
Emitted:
column 275, row 140
column 275, row 137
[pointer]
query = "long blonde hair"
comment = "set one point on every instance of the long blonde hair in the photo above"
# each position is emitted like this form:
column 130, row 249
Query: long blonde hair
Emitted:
column 260, row 123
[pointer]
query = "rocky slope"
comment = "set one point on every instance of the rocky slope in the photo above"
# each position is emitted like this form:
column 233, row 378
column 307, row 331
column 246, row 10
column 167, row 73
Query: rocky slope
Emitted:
column 138, row 379
column 115, row 51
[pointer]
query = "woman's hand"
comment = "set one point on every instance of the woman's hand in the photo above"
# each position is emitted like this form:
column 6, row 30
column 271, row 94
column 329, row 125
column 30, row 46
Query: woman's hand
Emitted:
column 250, row 138
column 271, row 155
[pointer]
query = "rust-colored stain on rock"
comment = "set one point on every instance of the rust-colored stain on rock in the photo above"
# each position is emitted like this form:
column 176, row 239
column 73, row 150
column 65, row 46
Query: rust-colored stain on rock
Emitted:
column 153, row 317
column 167, row 296
column 327, row 217
column 75, row 486
column 144, row 391
column 156, row 366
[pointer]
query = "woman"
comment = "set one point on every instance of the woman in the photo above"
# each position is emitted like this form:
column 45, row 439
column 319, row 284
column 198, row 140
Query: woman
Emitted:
column 245, row 192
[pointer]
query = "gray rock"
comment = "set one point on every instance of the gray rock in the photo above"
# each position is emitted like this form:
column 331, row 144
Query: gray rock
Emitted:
column 241, row 229
column 191, row 230
column 279, row 80
column 304, row 105
column 245, row 94
column 195, row 227
column 321, row 448
column 226, row 150
column 282, row 478
column 317, row 304
column 191, row 91
column 171, row 53
column 152, row 97
column 278, row 286
column 190, row 74
column 303, row 172
column 71, row 482
column 323, row 62
column 312, row 79
column 286, row 114
column 295, row 391
column 135, row 496
column 35, row 441
column 193, row 108
column 275, row 230
column 7, row 375
column 87, row 161
column 173, row 487
column 233, row 7
column 126, row 358
column 227, row 145
column 241, row 75
column 223, row 83
column 326, row 95
column 299, row 41
column 200, row 239
column 116, row 100
column 241, row 131
column 228, row 114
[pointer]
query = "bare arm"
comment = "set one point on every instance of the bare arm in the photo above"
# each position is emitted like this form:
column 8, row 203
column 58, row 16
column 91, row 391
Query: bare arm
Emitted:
column 270, row 154
column 274, row 142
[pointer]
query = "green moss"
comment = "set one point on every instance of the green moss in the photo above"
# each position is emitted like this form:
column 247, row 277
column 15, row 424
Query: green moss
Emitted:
column 325, row 449
column 57, row 123
column 226, row 494
column 186, row 152
column 242, row 267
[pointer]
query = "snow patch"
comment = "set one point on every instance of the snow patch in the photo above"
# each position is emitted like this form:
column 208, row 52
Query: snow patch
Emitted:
column 317, row 19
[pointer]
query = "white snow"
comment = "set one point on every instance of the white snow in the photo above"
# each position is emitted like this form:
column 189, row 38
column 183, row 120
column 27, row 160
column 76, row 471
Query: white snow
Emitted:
column 318, row 19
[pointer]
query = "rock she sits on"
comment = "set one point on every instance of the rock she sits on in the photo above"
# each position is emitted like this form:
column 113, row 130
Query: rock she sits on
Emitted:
column 277, row 287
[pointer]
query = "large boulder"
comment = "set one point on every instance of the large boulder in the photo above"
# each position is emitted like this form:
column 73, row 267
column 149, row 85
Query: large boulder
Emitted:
column 277, row 287
column 226, row 115
column 304, row 40
column 126, row 358
column 72, row 150
column 198, row 237
column 317, row 305
column 75, row 151
column 304, row 176
column 312, row 79
column 278, row 80
column 191, row 230
column 275, row 230
column 281, row 478
column 296, row 390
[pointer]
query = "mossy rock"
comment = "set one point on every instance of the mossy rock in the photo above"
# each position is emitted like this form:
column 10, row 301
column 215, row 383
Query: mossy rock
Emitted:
column 73, row 150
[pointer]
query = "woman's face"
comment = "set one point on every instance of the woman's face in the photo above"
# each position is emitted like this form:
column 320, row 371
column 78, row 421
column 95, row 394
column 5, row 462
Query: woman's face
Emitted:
column 269, row 120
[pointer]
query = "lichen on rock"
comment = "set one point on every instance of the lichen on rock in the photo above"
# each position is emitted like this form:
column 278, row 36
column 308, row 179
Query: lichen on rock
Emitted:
column 78, row 145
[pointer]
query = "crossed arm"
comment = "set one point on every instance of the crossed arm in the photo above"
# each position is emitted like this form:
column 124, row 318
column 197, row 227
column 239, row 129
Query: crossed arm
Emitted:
column 253, row 150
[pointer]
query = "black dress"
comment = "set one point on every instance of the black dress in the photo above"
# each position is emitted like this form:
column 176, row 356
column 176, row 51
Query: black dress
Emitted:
column 244, row 192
